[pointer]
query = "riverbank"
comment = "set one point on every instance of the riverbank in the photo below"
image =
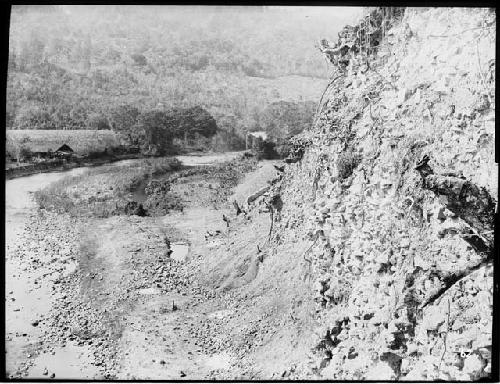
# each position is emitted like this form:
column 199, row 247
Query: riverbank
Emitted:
column 37, row 263
column 109, row 189
column 60, row 165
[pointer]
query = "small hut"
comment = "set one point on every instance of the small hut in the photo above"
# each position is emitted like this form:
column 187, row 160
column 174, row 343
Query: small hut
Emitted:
column 64, row 150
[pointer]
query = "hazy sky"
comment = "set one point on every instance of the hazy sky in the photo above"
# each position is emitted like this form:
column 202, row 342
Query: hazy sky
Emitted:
column 347, row 13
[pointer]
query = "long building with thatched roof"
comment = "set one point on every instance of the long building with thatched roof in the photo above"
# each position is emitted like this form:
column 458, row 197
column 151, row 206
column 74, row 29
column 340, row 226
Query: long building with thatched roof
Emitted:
column 81, row 142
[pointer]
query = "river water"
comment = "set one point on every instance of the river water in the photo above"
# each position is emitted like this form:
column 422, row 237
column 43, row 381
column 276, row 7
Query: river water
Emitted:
column 26, row 302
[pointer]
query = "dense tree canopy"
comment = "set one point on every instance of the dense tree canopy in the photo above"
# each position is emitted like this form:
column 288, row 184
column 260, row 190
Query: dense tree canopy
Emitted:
column 124, row 119
column 156, row 129
column 194, row 121
column 284, row 119
column 99, row 67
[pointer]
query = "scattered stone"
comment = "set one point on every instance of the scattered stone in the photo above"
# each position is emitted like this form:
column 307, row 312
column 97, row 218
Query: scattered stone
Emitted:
column 473, row 365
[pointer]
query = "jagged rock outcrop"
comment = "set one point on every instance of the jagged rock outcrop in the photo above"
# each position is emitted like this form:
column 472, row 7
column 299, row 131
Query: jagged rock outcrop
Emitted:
column 400, row 255
column 362, row 39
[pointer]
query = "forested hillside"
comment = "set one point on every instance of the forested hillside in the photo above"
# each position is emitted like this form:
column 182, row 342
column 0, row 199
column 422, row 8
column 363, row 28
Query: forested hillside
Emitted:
column 79, row 67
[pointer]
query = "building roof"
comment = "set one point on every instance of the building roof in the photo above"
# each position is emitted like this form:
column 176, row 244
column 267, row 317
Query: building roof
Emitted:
column 79, row 141
column 41, row 147
column 260, row 134
column 64, row 148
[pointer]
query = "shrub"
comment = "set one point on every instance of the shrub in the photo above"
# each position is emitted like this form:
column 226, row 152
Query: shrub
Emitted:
column 297, row 145
column 33, row 116
column 97, row 122
column 286, row 118
column 347, row 163
column 164, row 165
column 25, row 153
column 96, row 155
column 160, row 204
column 283, row 148
column 139, row 59
column 264, row 149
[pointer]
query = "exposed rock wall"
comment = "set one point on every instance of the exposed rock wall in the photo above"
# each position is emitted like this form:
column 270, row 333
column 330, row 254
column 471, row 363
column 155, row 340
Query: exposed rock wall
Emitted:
column 403, row 289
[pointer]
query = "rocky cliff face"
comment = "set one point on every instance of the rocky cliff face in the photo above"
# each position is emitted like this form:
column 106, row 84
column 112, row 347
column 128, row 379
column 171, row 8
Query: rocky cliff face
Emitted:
column 396, row 193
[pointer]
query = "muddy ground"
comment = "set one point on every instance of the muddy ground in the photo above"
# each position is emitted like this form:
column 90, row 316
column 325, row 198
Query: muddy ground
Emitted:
column 129, row 297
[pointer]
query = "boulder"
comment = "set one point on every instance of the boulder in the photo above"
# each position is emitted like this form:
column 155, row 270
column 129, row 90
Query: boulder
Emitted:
column 257, row 194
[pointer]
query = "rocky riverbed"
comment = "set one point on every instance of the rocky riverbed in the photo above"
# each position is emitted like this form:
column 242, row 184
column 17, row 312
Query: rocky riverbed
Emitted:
column 101, row 298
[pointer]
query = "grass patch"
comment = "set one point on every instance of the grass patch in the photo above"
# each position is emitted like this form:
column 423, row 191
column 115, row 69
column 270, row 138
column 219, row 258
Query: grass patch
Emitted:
column 159, row 204
column 106, row 190
column 102, row 191
column 225, row 175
